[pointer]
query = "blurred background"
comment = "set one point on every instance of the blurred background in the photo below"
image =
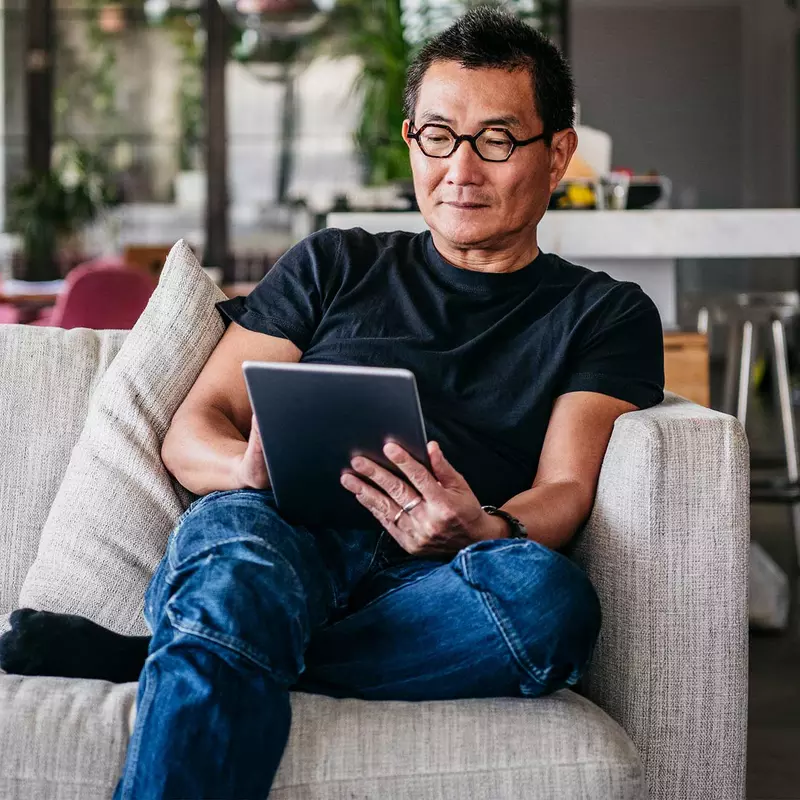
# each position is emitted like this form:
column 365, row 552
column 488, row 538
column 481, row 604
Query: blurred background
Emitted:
column 244, row 125
column 304, row 100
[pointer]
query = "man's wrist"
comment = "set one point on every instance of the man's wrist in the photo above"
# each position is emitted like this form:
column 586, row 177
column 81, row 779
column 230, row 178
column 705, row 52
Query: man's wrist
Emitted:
column 495, row 527
column 514, row 527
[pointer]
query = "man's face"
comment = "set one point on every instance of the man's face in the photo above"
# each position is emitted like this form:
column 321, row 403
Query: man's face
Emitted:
column 475, row 203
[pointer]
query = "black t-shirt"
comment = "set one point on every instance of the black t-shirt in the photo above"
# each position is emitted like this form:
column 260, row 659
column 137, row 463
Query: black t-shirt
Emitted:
column 490, row 352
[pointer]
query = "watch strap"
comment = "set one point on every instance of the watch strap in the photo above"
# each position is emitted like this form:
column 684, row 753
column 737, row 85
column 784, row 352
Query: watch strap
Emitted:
column 517, row 529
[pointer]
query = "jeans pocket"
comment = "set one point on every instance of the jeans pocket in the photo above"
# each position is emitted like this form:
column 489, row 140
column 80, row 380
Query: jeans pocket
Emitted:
column 194, row 628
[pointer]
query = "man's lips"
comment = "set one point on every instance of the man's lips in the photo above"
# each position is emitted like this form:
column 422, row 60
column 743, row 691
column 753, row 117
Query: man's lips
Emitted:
column 464, row 204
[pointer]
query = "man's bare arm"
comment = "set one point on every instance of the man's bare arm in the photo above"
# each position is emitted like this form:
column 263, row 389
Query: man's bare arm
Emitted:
column 563, row 492
column 210, row 445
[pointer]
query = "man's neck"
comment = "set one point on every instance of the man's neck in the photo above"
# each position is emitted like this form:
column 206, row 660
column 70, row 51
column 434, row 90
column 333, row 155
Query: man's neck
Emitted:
column 485, row 259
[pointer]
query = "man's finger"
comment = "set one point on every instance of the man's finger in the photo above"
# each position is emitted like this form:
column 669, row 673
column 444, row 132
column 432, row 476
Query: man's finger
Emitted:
column 444, row 471
column 376, row 502
column 418, row 475
column 395, row 487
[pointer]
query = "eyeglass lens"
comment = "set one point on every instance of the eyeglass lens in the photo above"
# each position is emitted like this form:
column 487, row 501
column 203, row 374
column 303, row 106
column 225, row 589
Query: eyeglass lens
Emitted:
column 438, row 142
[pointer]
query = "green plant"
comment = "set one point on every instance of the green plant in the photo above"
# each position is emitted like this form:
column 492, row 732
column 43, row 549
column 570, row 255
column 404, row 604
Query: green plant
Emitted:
column 374, row 32
column 46, row 208
column 184, row 23
column 87, row 79
column 186, row 34
column 385, row 37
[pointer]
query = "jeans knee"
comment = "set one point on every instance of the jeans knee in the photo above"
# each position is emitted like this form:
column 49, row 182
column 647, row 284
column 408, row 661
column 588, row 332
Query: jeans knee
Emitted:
column 241, row 577
column 544, row 605
column 221, row 517
column 245, row 597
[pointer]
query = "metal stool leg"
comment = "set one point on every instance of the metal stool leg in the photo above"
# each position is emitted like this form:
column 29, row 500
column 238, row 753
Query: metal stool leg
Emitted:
column 785, row 400
column 731, row 369
column 787, row 421
column 702, row 321
column 745, row 366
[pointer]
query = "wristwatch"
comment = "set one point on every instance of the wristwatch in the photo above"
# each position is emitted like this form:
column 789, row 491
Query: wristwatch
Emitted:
column 517, row 529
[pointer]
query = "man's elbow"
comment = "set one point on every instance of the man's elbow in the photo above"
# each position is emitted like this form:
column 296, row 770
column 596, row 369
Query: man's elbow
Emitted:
column 582, row 500
column 168, row 448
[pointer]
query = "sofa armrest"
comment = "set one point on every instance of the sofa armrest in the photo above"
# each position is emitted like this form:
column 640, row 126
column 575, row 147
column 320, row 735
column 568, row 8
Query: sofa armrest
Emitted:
column 667, row 549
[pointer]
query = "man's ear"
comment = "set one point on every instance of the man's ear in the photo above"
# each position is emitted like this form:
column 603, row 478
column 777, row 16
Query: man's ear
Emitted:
column 562, row 148
column 405, row 130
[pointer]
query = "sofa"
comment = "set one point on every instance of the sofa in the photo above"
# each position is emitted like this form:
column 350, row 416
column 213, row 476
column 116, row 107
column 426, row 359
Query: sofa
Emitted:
column 86, row 506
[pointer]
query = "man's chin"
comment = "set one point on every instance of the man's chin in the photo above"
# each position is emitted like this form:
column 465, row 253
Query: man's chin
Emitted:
column 463, row 230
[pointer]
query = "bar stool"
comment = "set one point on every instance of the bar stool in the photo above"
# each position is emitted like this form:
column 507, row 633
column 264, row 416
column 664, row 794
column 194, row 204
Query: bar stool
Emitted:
column 747, row 315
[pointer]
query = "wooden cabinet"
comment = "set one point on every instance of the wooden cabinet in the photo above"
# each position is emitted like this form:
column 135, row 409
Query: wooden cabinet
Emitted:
column 686, row 365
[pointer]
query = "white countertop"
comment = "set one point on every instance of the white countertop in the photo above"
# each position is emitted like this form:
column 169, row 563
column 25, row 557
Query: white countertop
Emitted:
column 666, row 234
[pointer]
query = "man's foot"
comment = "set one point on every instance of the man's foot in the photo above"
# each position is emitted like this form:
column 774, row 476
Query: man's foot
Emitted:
column 68, row 646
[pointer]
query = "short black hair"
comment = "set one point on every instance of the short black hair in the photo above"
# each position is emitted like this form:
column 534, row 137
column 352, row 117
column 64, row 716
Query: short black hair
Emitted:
column 489, row 37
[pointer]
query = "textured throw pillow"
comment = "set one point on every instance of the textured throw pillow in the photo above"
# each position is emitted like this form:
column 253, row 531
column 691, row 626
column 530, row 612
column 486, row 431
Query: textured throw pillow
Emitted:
column 108, row 527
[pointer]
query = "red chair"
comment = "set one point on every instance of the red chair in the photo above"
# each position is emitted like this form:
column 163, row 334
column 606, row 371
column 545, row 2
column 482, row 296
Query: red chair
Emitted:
column 9, row 315
column 44, row 315
column 101, row 294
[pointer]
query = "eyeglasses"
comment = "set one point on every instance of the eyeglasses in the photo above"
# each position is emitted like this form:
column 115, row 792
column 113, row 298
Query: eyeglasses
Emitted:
column 490, row 144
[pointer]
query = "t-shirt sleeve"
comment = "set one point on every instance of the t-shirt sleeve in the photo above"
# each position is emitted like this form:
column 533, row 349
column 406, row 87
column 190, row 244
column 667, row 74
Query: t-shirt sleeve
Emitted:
column 623, row 354
column 289, row 300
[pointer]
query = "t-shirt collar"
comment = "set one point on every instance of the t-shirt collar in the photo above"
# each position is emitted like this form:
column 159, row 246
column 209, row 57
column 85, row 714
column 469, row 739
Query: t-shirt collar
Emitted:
column 473, row 280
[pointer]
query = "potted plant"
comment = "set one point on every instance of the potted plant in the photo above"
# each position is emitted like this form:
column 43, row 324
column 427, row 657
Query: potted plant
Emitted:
column 385, row 37
column 49, row 210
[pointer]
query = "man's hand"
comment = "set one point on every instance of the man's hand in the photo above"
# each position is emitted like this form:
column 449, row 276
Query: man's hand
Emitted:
column 251, row 471
column 448, row 516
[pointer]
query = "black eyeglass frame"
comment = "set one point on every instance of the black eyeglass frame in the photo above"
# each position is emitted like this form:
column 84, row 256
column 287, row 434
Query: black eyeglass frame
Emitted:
column 473, row 140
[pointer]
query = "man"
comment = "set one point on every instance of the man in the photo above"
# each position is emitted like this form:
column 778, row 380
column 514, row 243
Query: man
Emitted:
column 523, row 363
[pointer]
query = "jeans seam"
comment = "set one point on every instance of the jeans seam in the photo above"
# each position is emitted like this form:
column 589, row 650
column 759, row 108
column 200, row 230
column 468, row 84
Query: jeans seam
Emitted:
column 508, row 634
column 228, row 642
column 389, row 592
column 135, row 743
column 231, row 642
column 202, row 500
column 240, row 538
column 341, row 601
column 376, row 551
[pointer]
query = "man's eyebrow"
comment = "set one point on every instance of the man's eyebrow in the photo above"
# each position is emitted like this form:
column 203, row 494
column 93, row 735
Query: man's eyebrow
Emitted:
column 507, row 120
column 432, row 116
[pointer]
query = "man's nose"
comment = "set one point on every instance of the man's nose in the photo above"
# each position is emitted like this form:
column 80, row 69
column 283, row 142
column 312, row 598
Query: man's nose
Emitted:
column 464, row 166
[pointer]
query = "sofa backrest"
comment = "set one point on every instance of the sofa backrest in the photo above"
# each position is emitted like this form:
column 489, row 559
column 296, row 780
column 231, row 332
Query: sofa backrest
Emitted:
column 47, row 376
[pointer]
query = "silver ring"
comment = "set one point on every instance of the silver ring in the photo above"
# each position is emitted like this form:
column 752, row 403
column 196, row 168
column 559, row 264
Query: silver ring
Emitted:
column 406, row 508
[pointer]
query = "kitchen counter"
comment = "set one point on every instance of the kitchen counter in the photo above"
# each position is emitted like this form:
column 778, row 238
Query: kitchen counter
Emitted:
column 728, row 233
column 639, row 246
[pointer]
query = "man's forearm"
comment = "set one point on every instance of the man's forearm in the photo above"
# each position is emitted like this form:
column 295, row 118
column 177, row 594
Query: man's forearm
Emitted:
column 552, row 512
column 201, row 449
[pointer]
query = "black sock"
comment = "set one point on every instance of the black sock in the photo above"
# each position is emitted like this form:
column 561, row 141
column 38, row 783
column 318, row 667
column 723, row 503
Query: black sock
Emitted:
column 68, row 646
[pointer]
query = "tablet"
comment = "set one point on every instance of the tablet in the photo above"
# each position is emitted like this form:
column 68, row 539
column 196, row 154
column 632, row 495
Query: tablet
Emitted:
column 315, row 418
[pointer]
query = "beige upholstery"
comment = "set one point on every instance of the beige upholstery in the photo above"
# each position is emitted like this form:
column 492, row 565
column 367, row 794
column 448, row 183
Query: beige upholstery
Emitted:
column 47, row 376
column 69, row 743
column 109, row 523
column 666, row 548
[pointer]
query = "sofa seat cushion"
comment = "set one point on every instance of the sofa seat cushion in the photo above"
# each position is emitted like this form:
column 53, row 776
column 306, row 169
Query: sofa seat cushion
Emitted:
column 66, row 739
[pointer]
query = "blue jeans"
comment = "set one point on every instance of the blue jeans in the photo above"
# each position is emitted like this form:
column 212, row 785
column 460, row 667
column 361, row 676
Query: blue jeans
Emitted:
column 245, row 607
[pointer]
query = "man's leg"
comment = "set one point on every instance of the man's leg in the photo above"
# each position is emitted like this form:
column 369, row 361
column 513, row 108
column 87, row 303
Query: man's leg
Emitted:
column 231, row 611
column 503, row 618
